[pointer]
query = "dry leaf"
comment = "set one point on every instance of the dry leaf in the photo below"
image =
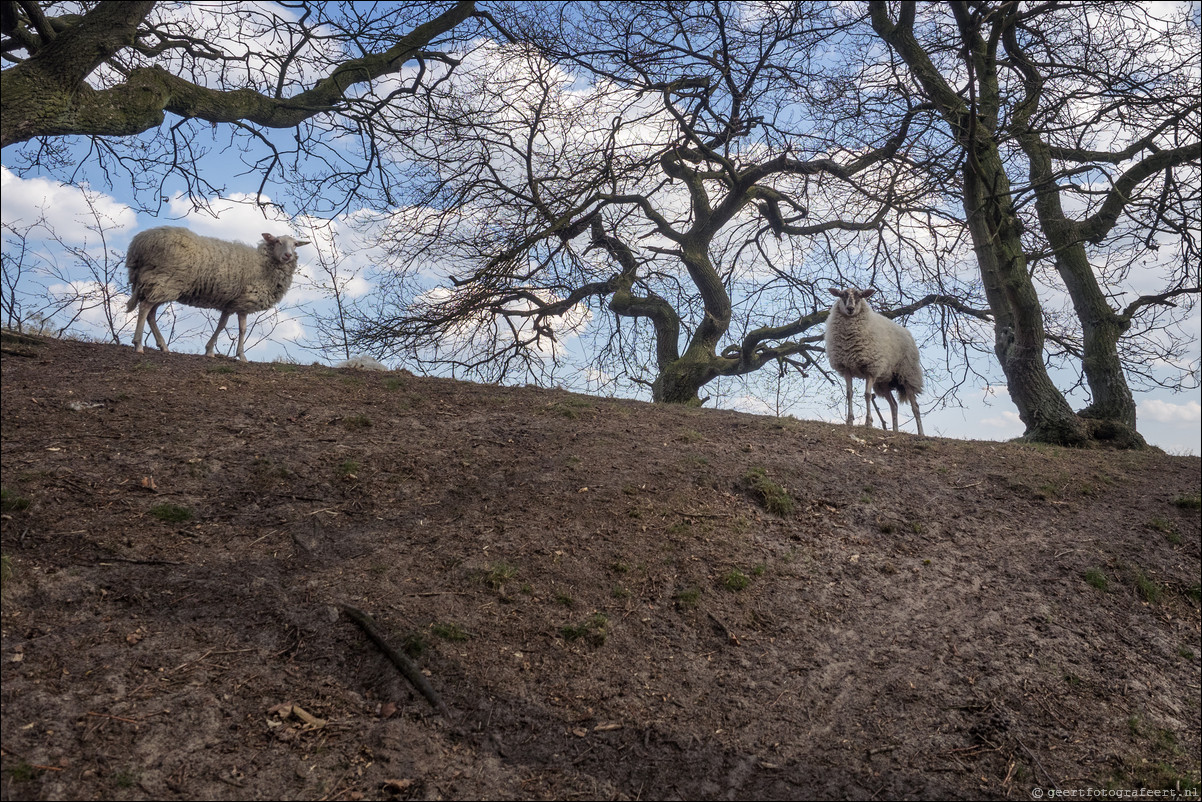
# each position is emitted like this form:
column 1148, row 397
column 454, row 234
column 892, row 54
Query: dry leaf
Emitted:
column 396, row 786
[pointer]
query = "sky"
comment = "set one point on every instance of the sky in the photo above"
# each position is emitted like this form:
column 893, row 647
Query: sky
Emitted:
column 68, row 259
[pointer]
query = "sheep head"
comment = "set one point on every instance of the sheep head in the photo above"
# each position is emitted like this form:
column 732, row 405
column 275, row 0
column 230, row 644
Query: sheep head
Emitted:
column 283, row 249
column 850, row 300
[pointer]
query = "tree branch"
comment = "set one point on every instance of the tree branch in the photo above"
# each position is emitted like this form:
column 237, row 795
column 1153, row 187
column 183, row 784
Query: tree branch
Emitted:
column 46, row 95
column 1148, row 300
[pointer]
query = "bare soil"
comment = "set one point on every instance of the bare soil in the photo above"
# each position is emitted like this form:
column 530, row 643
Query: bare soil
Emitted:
column 596, row 588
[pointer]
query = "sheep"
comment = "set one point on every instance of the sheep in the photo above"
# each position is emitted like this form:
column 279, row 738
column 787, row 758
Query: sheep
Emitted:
column 861, row 344
column 173, row 264
column 362, row 362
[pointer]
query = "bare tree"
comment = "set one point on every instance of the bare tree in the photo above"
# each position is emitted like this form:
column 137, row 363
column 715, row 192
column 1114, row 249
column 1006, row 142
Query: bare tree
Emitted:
column 335, row 273
column 1104, row 95
column 53, row 280
column 16, row 263
column 696, row 198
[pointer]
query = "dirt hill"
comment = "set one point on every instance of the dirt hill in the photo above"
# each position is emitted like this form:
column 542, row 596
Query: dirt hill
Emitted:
column 612, row 599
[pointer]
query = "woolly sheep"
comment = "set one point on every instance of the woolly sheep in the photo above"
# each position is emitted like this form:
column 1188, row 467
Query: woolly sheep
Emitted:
column 173, row 264
column 363, row 362
column 861, row 344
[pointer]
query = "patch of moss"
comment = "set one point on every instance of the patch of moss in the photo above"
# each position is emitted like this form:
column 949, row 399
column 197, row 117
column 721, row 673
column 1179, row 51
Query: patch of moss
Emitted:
column 449, row 631
column 171, row 513
column 736, row 580
column 11, row 502
column 1189, row 501
column 771, row 495
column 594, row 630
column 688, row 598
column 1097, row 578
column 497, row 574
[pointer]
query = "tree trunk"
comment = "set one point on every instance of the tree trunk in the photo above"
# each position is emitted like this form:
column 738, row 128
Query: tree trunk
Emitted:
column 680, row 381
column 989, row 210
column 1018, row 319
column 1101, row 326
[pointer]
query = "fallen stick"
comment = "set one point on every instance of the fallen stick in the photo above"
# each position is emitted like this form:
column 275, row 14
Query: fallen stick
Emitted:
column 406, row 666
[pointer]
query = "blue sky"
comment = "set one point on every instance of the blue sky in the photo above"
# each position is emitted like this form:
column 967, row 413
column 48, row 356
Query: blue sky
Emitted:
column 59, row 219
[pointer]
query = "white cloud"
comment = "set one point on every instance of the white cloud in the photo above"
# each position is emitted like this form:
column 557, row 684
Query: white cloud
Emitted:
column 238, row 218
column 63, row 209
column 289, row 327
column 1168, row 412
column 1005, row 420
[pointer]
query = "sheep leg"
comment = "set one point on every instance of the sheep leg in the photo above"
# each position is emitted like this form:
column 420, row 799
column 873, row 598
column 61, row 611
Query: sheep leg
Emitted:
column 241, row 335
column 212, row 343
column 146, row 312
column 917, row 417
column 154, row 328
column 143, row 310
column 851, row 418
column 868, row 394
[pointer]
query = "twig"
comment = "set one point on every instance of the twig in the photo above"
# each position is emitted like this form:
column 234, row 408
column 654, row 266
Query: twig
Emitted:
column 724, row 629
column 135, row 561
column 190, row 662
column 1047, row 776
column 114, row 718
column 415, row 677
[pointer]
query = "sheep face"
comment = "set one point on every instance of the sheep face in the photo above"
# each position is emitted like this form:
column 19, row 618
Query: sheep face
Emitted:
column 849, row 300
column 282, row 249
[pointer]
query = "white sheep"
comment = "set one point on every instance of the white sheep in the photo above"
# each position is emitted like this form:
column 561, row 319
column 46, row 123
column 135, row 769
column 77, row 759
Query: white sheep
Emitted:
column 173, row 264
column 362, row 362
column 861, row 344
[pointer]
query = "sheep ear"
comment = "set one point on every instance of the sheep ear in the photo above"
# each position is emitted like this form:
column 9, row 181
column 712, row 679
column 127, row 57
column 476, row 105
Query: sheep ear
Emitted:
column 868, row 292
column 269, row 239
column 302, row 242
column 837, row 293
